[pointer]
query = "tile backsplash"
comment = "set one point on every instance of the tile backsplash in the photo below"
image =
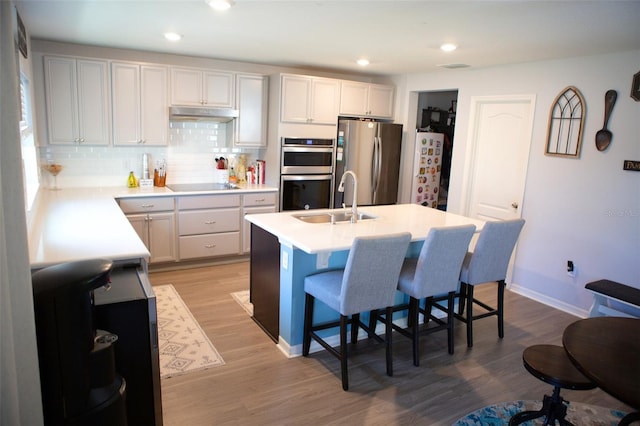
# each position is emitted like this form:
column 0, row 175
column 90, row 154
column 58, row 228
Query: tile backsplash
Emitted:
column 190, row 153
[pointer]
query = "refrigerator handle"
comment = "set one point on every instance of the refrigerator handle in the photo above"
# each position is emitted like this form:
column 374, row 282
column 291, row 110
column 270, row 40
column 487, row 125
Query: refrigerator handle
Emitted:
column 378, row 164
column 379, row 157
column 374, row 166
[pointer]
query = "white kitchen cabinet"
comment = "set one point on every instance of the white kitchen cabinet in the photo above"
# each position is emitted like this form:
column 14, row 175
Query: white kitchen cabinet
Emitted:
column 208, row 226
column 140, row 107
column 263, row 202
column 366, row 100
column 190, row 86
column 311, row 100
column 153, row 219
column 77, row 101
column 250, row 128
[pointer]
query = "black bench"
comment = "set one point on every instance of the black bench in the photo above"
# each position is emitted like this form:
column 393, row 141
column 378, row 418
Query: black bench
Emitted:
column 605, row 291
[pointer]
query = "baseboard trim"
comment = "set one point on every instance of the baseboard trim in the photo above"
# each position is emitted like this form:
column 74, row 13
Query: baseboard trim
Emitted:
column 544, row 299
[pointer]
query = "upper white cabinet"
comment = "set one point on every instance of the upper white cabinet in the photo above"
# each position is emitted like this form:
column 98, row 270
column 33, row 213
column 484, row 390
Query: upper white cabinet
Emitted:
column 77, row 100
column 191, row 86
column 140, row 107
column 366, row 100
column 250, row 128
column 311, row 100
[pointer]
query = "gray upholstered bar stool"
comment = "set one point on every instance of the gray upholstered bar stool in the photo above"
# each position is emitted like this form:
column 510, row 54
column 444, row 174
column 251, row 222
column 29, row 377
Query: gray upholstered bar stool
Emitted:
column 367, row 282
column 433, row 276
column 487, row 263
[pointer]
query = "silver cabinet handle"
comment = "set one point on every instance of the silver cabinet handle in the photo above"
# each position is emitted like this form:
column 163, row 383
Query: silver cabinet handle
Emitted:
column 147, row 206
column 210, row 222
column 209, row 246
column 514, row 205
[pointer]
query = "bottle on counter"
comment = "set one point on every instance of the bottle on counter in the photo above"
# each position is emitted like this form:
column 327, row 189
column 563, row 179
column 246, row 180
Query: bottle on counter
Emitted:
column 132, row 182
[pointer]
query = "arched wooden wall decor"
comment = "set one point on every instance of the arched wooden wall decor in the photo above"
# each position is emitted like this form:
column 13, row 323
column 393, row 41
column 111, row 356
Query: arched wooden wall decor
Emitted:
column 566, row 122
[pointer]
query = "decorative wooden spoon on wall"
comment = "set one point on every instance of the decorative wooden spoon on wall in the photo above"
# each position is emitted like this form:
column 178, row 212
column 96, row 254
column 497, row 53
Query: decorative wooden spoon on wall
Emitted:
column 603, row 136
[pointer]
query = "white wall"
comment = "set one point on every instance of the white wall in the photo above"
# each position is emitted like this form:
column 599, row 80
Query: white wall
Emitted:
column 586, row 209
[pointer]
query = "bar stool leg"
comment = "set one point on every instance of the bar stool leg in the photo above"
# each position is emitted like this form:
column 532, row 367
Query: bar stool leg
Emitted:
column 308, row 317
column 343, row 351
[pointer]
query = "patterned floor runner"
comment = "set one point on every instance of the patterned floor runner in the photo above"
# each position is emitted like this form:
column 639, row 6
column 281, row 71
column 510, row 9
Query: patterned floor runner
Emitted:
column 184, row 347
column 577, row 413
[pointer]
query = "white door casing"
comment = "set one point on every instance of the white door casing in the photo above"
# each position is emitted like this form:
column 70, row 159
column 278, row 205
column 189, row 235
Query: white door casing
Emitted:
column 497, row 156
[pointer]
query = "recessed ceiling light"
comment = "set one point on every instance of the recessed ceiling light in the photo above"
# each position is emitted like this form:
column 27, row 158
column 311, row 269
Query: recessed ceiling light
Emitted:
column 363, row 62
column 172, row 36
column 220, row 4
column 448, row 47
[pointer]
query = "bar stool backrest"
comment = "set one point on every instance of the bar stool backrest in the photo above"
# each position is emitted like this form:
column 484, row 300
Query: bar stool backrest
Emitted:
column 371, row 273
column 490, row 258
column 440, row 260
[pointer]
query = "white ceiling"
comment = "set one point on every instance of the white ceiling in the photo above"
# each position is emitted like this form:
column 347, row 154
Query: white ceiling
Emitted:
column 397, row 36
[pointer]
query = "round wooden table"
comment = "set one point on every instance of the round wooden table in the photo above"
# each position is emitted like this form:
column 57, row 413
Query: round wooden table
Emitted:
column 607, row 351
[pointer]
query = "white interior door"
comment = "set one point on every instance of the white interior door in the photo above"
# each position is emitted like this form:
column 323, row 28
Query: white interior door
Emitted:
column 500, row 138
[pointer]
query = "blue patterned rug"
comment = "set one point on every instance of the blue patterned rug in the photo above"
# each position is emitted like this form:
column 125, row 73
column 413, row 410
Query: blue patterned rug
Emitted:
column 577, row 413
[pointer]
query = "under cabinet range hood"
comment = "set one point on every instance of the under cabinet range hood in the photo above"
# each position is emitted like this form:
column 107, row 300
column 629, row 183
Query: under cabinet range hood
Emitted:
column 189, row 113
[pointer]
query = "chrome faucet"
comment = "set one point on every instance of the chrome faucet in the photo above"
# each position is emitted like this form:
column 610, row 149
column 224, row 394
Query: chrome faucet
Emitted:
column 354, row 203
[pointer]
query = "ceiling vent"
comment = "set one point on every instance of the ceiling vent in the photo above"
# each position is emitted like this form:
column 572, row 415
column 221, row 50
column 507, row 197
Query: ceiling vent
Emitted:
column 453, row 66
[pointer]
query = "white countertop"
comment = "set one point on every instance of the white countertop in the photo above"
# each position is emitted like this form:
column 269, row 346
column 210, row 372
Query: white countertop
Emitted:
column 322, row 237
column 86, row 223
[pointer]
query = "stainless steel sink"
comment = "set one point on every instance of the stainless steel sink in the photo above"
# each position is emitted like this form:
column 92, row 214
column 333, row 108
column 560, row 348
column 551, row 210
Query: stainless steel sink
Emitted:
column 331, row 217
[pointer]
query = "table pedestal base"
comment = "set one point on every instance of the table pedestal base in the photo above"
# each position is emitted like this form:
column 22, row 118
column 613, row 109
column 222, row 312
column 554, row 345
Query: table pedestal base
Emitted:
column 554, row 409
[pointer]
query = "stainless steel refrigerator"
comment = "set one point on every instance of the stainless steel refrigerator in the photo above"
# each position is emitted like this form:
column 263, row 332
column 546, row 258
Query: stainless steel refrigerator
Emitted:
column 372, row 151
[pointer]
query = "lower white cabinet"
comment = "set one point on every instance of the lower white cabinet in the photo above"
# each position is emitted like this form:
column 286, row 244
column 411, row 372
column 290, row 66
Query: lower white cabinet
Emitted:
column 192, row 227
column 263, row 202
column 208, row 226
column 154, row 221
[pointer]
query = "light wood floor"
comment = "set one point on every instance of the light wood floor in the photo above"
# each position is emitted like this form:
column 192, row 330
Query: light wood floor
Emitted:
column 258, row 385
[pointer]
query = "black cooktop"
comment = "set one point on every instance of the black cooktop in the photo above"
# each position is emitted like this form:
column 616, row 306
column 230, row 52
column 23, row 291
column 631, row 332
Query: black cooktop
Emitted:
column 206, row 186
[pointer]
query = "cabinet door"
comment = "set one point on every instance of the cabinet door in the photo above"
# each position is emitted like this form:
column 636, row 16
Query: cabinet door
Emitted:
column 139, row 224
column 62, row 99
column 246, row 225
column 294, row 102
column 354, row 98
column 251, row 96
column 162, row 237
column 186, row 86
column 381, row 100
column 325, row 95
column 218, row 89
column 93, row 102
column 154, row 108
column 126, row 103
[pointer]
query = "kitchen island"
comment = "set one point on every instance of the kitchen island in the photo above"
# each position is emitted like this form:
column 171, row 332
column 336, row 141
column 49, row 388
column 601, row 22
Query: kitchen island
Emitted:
column 285, row 249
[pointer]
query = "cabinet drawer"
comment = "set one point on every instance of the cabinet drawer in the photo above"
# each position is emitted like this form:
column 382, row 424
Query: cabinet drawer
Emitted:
column 146, row 204
column 194, row 246
column 208, row 201
column 259, row 199
column 208, row 221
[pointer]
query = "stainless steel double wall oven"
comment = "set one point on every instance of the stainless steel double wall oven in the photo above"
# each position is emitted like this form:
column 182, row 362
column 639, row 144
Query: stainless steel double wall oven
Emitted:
column 306, row 173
